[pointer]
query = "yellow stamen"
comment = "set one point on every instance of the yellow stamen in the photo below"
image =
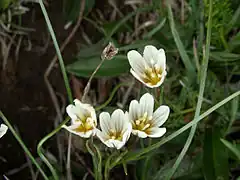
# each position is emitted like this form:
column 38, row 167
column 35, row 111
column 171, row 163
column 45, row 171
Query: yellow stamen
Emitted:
column 143, row 123
column 152, row 75
column 84, row 127
column 115, row 135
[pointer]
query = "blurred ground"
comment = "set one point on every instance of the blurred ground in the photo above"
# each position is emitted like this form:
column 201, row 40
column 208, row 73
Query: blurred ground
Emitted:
column 24, row 98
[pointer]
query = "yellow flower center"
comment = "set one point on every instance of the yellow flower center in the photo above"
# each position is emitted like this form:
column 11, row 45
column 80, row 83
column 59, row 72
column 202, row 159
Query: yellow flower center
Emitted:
column 143, row 123
column 152, row 75
column 85, row 126
column 87, row 123
column 115, row 135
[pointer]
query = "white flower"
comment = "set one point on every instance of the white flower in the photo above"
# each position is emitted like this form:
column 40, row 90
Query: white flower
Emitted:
column 145, row 122
column 83, row 118
column 116, row 129
column 150, row 69
column 3, row 130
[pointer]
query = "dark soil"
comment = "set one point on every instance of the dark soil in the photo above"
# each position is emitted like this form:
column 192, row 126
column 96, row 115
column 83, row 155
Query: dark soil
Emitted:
column 24, row 98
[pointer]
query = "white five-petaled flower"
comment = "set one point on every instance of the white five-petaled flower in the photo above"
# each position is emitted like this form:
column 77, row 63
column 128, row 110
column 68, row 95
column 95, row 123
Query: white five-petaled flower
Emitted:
column 150, row 69
column 145, row 122
column 3, row 130
column 83, row 118
column 116, row 129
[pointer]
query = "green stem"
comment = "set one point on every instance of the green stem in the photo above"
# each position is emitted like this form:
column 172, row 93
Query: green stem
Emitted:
column 95, row 163
column 224, row 42
column 40, row 149
column 99, row 165
column 87, row 88
column 107, row 166
column 61, row 62
column 26, row 150
column 182, row 112
column 200, row 97
column 111, row 96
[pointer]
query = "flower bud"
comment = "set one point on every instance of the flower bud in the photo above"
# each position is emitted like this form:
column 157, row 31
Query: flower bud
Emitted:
column 109, row 51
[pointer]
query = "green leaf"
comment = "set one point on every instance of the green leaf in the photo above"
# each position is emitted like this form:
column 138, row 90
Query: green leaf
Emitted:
column 72, row 8
column 232, row 147
column 215, row 157
column 4, row 4
column 84, row 67
column 224, row 56
column 189, row 166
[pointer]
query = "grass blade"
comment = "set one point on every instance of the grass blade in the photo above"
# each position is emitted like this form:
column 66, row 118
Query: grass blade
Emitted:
column 40, row 149
column 26, row 150
column 200, row 97
column 155, row 30
column 215, row 157
column 61, row 62
column 185, row 58
column 232, row 148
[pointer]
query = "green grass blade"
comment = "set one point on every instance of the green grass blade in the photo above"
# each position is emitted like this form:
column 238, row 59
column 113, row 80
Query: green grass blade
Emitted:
column 232, row 148
column 215, row 156
column 40, row 149
column 111, row 96
column 200, row 97
column 185, row 58
column 26, row 150
column 234, row 20
column 234, row 111
column 61, row 62
column 155, row 30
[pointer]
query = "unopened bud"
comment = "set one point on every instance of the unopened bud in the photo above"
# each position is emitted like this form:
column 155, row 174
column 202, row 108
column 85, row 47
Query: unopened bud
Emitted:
column 109, row 51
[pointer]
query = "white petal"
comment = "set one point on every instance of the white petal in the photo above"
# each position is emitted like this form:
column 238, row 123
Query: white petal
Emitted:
column 160, row 115
column 150, row 55
column 105, row 120
column 118, row 144
column 147, row 104
column 104, row 138
column 71, row 111
column 3, row 130
column 77, row 102
column 93, row 115
column 161, row 59
column 118, row 118
column 134, row 108
column 157, row 132
column 126, row 121
column 136, row 61
column 140, row 134
column 85, row 108
column 138, row 77
column 112, row 143
column 81, row 134
column 127, row 133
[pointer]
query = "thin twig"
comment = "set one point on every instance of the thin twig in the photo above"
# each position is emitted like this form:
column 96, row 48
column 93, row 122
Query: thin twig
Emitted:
column 86, row 89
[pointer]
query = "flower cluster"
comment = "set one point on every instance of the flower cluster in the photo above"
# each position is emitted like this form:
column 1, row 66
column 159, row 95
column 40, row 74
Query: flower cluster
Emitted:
column 141, row 119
